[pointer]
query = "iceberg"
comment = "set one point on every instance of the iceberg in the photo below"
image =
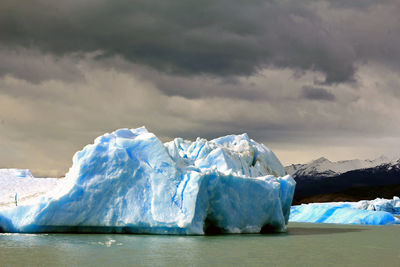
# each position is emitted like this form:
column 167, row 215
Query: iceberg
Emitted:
column 15, row 173
column 340, row 213
column 128, row 181
column 380, row 204
column 20, row 185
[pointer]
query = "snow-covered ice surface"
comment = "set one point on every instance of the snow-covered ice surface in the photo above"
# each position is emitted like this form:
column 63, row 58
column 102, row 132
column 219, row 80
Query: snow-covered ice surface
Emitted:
column 129, row 181
column 379, row 204
column 371, row 212
column 22, row 183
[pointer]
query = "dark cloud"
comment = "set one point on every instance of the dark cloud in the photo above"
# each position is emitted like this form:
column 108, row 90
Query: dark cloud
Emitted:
column 315, row 93
column 72, row 70
column 365, row 4
column 47, row 122
column 219, row 38
column 33, row 66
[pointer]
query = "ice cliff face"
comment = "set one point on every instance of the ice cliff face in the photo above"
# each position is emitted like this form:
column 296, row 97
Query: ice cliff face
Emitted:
column 129, row 181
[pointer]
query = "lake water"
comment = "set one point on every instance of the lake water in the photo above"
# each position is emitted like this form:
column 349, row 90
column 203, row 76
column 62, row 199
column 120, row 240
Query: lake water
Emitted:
column 303, row 245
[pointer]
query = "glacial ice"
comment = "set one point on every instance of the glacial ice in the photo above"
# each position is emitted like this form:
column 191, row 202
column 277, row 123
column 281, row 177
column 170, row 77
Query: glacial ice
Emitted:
column 22, row 183
column 379, row 204
column 15, row 173
column 342, row 213
column 129, row 181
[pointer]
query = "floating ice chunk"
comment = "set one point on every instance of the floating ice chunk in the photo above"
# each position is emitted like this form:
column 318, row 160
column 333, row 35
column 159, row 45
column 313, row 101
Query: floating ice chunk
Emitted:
column 339, row 213
column 129, row 181
column 380, row 204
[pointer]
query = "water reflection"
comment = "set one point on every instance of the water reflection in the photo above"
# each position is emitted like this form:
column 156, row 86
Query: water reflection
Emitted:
column 321, row 231
column 355, row 244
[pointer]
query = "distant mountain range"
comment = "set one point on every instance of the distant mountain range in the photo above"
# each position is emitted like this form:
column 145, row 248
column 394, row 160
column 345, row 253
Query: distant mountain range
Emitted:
column 323, row 167
column 345, row 180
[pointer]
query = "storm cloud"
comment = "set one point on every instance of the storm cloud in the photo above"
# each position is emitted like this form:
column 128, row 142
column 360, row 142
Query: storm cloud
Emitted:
column 218, row 38
column 307, row 78
column 315, row 93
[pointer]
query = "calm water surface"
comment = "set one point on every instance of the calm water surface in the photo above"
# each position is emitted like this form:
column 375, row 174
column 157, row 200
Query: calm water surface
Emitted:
column 303, row 245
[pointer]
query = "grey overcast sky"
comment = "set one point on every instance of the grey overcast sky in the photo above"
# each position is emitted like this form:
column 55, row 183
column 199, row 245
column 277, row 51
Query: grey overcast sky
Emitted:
column 306, row 78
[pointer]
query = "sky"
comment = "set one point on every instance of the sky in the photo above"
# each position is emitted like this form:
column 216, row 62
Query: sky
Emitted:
column 306, row 78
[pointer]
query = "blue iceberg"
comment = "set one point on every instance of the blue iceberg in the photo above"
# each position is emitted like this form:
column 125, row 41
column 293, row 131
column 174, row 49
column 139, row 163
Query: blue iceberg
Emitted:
column 380, row 204
column 340, row 213
column 128, row 181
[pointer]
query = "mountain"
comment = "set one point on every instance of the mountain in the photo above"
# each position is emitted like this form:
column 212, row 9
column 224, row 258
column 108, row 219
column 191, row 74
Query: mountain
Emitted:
column 322, row 180
column 323, row 167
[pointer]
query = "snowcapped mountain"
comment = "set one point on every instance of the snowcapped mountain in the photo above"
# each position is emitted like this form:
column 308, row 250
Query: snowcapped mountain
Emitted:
column 351, row 179
column 323, row 167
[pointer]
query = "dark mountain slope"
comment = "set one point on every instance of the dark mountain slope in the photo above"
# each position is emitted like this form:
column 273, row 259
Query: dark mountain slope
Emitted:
column 370, row 183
